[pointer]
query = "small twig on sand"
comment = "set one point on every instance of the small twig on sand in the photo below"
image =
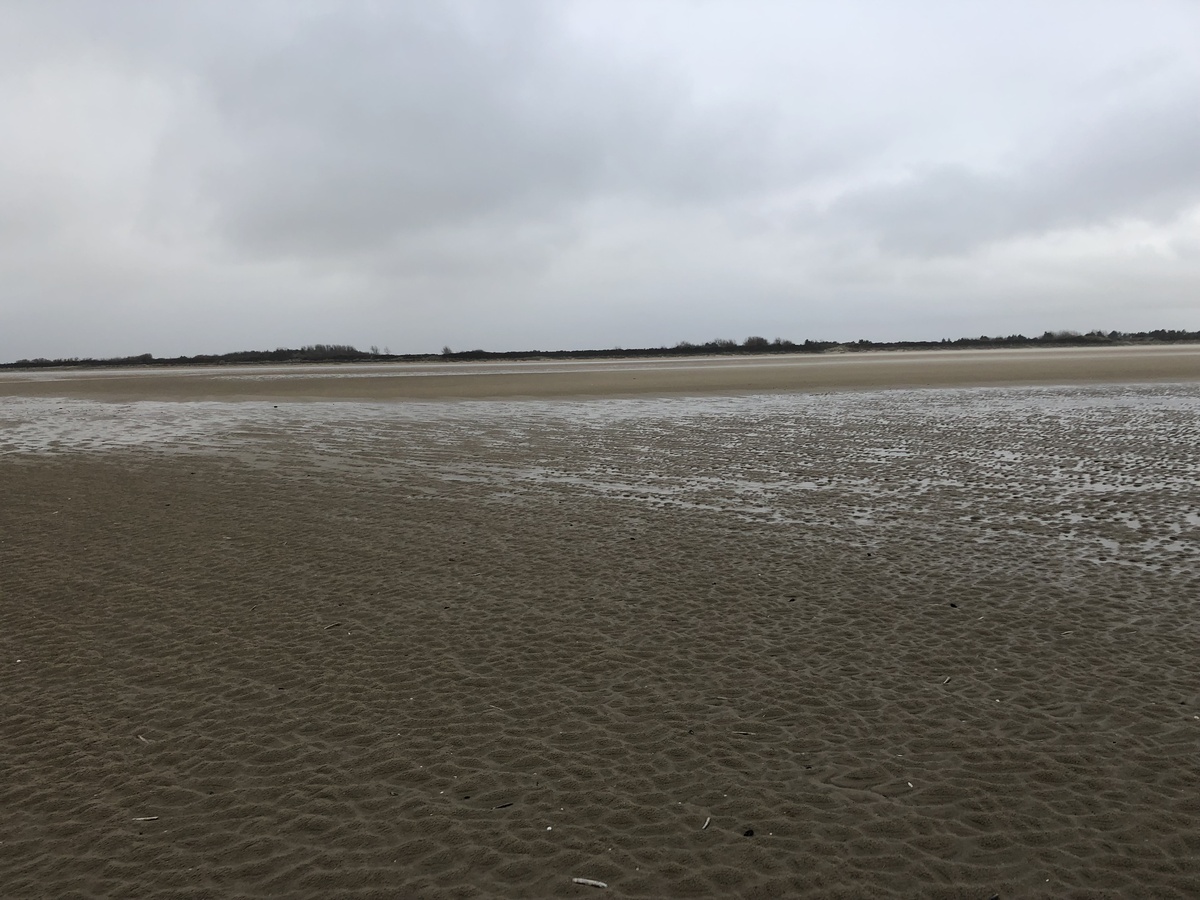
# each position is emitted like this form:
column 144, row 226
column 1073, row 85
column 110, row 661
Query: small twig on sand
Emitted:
column 334, row 625
column 590, row 882
column 705, row 825
column 745, row 732
column 947, row 681
column 502, row 806
column 142, row 739
column 145, row 818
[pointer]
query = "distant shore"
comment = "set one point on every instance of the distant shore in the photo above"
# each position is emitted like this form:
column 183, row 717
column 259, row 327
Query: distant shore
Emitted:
column 437, row 380
column 753, row 346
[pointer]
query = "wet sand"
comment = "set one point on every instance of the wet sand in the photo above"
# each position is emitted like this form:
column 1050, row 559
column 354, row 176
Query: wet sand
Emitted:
column 937, row 643
column 620, row 378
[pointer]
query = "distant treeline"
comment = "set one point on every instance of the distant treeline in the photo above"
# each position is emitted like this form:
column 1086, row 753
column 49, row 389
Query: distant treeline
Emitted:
column 311, row 353
column 720, row 346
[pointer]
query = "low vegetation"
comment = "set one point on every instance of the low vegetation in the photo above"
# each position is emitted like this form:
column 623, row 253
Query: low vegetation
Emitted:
column 720, row 346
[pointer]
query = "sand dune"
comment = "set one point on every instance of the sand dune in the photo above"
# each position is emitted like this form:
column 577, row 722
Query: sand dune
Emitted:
column 935, row 643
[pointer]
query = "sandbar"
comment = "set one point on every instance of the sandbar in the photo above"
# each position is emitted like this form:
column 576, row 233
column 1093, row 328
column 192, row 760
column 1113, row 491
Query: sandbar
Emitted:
column 620, row 378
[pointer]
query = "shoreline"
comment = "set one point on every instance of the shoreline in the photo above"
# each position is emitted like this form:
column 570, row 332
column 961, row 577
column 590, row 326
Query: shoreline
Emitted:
column 580, row 379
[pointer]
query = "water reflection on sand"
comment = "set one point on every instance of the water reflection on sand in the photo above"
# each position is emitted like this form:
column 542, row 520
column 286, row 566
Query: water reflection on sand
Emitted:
column 1110, row 472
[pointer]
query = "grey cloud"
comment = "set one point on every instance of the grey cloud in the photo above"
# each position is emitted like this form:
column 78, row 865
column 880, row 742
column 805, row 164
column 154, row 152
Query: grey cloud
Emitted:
column 360, row 130
column 1139, row 162
column 335, row 128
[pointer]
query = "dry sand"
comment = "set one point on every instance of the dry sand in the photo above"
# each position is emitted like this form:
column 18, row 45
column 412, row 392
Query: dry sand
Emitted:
column 910, row 643
column 620, row 378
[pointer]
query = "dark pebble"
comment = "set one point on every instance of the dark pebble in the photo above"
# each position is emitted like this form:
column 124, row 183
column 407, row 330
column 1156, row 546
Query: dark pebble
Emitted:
column 749, row 832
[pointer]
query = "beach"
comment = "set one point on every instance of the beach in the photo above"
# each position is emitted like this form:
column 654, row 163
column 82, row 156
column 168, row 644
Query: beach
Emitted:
column 850, row 625
column 607, row 378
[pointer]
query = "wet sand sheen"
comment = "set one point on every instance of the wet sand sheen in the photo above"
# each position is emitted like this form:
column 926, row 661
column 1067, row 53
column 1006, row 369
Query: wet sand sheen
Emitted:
column 919, row 643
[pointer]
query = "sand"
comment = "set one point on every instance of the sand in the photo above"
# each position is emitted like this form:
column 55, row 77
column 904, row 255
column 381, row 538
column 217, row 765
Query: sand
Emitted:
column 619, row 378
column 888, row 643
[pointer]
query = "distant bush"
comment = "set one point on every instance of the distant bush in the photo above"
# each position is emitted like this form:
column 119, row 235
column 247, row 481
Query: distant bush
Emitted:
column 753, row 344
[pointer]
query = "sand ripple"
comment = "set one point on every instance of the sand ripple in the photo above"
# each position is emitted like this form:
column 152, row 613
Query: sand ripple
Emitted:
column 936, row 644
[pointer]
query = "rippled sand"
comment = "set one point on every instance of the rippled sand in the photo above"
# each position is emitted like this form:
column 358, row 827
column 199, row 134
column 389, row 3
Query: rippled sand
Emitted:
column 935, row 643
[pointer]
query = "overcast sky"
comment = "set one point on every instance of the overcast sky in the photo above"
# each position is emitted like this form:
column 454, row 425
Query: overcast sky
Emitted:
column 181, row 178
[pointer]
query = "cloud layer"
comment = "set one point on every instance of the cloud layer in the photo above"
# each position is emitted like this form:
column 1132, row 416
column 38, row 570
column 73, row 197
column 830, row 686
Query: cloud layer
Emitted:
column 183, row 178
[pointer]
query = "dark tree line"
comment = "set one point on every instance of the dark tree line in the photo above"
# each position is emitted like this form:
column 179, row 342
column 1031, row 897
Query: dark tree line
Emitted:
column 310, row 353
column 718, row 346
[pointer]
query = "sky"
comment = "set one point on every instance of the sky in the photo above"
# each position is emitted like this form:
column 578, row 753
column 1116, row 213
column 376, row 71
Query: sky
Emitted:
column 201, row 177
